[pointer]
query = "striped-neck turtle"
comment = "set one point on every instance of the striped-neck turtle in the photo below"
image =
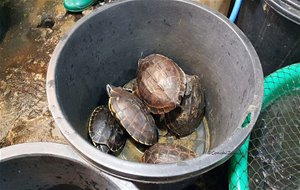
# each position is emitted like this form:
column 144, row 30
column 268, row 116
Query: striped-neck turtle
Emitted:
column 160, row 83
column 167, row 153
column 183, row 121
column 105, row 131
column 133, row 115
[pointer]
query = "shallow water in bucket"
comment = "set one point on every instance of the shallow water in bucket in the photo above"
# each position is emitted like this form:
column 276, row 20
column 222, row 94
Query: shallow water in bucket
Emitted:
column 198, row 141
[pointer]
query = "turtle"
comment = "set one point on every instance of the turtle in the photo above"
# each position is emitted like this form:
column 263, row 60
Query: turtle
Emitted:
column 167, row 153
column 160, row 83
column 162, row 129
column 184, row 120
column 132, row 114
column 105, row 131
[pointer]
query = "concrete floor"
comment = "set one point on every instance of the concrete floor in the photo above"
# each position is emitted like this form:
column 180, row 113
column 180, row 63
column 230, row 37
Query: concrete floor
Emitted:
column 25, row 52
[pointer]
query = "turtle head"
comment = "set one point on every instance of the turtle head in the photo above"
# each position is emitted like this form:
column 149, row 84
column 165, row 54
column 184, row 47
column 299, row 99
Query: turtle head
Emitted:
column 109, row 89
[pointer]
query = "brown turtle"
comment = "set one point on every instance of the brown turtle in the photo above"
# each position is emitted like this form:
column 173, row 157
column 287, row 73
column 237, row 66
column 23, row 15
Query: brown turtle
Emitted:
column 167, row 153
column 105, row 131
column 160, row 83
column 133, row 115
column 183, row 121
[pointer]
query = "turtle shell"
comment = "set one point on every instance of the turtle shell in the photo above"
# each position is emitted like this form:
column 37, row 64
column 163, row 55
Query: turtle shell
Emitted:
column 133, row 115
column 167, row 153
column 184, row 120
column 160, row 83
column 105, row 131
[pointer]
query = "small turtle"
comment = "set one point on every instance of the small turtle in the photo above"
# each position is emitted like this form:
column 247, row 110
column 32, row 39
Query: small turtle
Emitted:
column 133, row 115
column 105, row 131
column 167, row 153
column 183, row 121
column 160, row 83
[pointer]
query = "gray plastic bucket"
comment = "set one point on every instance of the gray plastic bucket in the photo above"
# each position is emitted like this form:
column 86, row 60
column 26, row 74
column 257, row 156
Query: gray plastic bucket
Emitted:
column 51, row 166
column 104, row 47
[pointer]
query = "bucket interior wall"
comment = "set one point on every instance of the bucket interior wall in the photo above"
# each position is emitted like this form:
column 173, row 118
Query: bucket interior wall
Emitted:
column 105, row 50
column 50, row 173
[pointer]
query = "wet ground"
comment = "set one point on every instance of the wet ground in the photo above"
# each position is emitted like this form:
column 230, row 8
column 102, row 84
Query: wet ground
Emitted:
column 35, row 27
column 198, row 141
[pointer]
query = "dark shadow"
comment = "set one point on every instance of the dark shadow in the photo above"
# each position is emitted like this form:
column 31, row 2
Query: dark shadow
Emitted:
column 4, row 20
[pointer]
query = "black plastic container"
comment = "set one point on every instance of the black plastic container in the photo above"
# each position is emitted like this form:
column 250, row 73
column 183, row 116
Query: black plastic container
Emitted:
column 273, row 27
